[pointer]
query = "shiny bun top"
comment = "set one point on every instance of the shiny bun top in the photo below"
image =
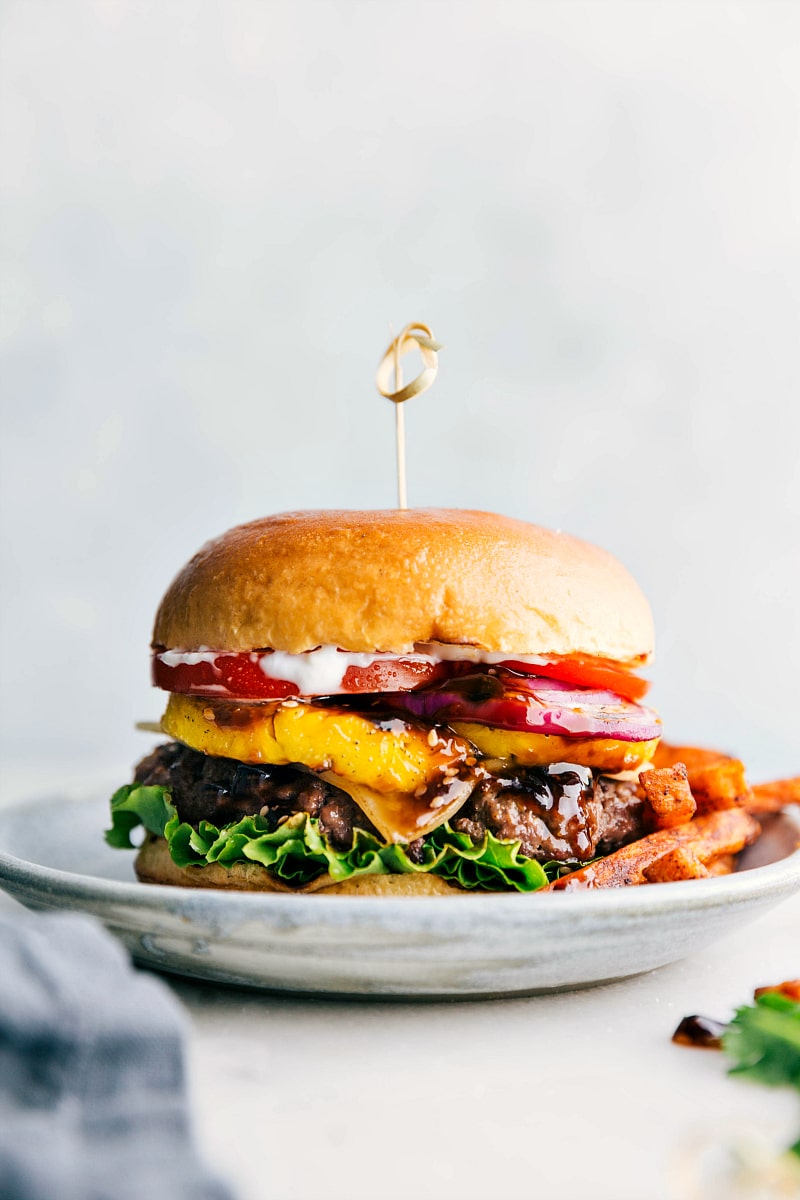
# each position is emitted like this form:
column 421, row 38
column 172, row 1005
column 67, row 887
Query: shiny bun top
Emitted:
column 387, row 580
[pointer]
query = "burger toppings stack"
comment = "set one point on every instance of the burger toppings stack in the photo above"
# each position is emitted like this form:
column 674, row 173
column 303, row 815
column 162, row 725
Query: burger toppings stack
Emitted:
column 409, row 702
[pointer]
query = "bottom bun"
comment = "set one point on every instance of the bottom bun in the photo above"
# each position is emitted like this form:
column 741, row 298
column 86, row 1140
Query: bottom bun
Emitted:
column 154, row 865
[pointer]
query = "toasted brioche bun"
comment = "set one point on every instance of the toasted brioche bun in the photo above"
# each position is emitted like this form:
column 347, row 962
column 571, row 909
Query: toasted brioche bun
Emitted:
column 385, row 580
column 154, row 865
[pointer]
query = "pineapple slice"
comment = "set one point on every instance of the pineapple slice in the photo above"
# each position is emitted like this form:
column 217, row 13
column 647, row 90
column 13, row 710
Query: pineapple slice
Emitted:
column 224, row 731
column 386, row 756
column 539, row 749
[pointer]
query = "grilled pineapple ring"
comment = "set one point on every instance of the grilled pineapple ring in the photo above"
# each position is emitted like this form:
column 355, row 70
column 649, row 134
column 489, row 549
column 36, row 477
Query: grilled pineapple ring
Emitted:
column 387, row 756
column 539, row 749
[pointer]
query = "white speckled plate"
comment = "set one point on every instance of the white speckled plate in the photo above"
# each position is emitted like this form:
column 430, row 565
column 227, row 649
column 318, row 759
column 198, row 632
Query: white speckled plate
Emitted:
column 52, row 856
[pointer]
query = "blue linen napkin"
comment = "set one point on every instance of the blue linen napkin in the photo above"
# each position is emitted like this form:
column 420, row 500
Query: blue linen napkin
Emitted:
column 93, row 1102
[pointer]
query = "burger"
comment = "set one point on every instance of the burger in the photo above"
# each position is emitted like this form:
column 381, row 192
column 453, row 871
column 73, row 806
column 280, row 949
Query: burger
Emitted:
column 393, row 702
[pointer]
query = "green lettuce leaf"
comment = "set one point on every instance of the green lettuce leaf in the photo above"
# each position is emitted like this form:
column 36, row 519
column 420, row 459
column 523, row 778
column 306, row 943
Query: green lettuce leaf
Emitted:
column 297, row 851
column 492, row 865
column 135, row 805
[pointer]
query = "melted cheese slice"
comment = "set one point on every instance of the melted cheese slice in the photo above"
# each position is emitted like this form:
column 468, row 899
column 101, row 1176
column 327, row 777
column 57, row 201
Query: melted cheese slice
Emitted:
column 400, row 817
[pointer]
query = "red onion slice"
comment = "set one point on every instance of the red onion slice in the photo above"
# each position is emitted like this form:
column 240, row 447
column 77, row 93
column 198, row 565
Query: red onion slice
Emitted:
column 532, row 705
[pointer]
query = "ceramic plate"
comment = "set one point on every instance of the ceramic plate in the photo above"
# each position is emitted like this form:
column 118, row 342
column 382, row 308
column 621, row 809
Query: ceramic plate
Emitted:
column 52, row 856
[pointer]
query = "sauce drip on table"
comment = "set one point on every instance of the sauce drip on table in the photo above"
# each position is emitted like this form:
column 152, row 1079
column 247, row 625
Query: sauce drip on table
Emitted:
column 702, row 1032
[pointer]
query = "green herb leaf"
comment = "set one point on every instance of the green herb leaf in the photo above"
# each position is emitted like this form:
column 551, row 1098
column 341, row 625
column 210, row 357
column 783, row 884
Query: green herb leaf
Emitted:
column 763, row 1039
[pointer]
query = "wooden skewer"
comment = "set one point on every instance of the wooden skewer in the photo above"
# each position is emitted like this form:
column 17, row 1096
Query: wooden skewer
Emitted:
column 400, row 431
column 413, row 335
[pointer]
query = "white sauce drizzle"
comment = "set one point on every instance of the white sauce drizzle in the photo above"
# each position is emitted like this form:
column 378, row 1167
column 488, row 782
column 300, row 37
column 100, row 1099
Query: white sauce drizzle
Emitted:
column 450, row 652
column 321, row 671
column 188, row 658
column 317, row 672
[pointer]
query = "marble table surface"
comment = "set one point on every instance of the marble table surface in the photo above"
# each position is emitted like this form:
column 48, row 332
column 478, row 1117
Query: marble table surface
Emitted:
column 582, row 1093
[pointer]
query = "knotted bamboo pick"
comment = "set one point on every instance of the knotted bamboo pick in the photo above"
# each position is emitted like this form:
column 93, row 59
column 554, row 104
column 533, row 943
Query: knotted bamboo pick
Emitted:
column 414, row 335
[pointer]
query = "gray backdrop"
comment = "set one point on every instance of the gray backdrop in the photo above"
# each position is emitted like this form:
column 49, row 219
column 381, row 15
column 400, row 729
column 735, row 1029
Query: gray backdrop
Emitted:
column 211, row 213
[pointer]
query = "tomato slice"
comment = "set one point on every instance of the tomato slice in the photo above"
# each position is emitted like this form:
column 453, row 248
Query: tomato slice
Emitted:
column 243, row 676
column 394, row 675
column 228, row 675
column 589, row 673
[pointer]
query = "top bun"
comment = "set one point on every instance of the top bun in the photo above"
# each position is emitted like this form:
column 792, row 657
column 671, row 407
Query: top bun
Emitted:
column 385, row 580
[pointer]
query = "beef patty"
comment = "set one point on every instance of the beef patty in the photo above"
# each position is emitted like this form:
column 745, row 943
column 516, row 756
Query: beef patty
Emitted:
column 559, row 813
column 222, row 790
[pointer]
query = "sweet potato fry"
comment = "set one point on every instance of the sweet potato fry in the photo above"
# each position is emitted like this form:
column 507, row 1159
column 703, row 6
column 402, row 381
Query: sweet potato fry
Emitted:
column 772, row 797
column 706, row 838
column 725, row 864
column 668, row 795
column 680, row 863
column 719, row 785
column 666, row 755
column 717, row 780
